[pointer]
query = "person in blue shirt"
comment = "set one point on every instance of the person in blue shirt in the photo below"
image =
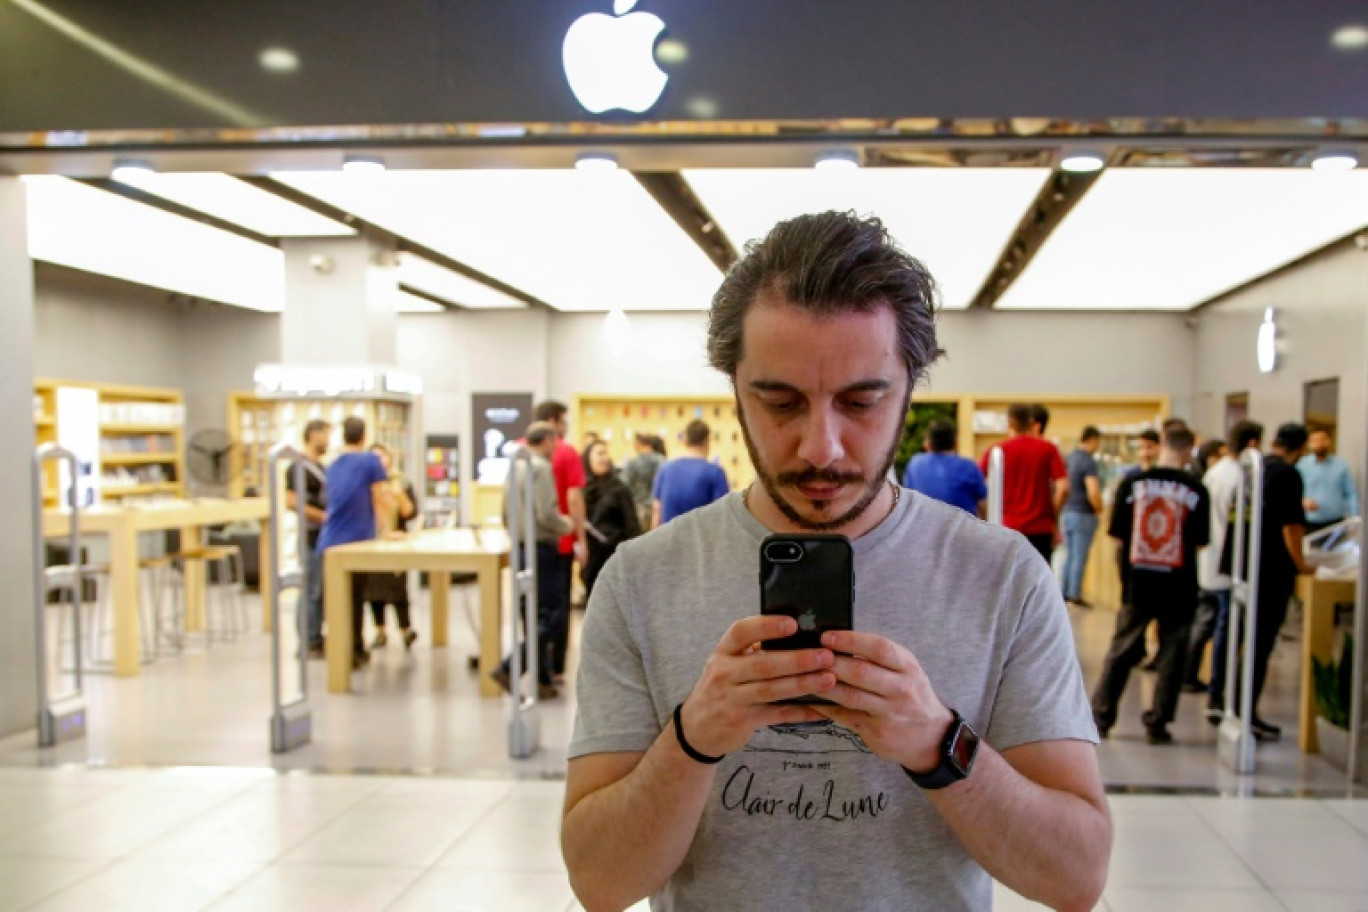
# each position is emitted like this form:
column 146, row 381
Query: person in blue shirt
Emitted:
column 690, row 481
column 944, row 475
column 358, row 492
column 1330, row 496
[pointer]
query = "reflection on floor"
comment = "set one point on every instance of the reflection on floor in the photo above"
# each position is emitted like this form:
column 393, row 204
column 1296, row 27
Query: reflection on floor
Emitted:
column 420, row 712
column 146, row 840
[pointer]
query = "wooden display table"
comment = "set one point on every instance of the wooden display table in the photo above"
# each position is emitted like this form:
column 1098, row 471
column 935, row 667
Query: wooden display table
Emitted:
column 1319, row 598
column 122, row 524
column 439, row 552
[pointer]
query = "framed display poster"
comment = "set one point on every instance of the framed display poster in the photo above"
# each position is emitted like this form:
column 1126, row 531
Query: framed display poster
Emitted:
column 442, row 478
column 498, row 420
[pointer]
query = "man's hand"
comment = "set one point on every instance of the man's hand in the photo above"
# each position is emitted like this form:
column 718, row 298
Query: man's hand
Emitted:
column 885, row 698
column 737, row 691
column 581, row 552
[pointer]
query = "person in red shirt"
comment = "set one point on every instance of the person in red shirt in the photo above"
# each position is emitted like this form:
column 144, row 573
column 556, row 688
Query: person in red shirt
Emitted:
column 568, row 470
column 1034, row 481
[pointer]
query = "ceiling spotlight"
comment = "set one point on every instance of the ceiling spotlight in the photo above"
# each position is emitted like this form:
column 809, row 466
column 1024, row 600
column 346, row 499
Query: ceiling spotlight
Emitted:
column 596, row 161
column 837, row 160
column 132, row 170
column 1334, row 160
column 278, row 60
column 1082, row 162
column 363, row 164
column 1350, row 37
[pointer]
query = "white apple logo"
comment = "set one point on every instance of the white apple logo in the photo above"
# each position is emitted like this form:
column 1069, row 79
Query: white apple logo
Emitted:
column 609, row 60
column 807, row 621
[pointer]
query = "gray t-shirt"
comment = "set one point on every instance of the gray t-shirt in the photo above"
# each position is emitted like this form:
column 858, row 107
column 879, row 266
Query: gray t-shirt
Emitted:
column 806, row 817
column 1081, row 465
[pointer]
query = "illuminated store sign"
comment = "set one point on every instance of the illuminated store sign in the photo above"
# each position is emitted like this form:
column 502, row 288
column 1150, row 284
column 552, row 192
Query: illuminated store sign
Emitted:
column 610, row 60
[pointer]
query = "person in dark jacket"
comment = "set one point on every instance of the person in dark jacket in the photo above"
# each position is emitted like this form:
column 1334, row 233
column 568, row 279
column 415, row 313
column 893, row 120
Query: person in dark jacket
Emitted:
column 609, row 509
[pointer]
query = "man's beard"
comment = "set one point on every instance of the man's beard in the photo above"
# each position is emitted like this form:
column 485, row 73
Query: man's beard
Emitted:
column 772, row 483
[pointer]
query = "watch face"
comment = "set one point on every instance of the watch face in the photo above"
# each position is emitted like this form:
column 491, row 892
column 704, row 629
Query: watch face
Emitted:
column 963, row 748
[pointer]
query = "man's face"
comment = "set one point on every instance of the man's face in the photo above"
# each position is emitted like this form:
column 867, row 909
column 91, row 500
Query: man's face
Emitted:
column 1148, row 451
column 1319, row 444
column 317, row 444
column 822, row 403
column 560, row 426
column 1091, row 445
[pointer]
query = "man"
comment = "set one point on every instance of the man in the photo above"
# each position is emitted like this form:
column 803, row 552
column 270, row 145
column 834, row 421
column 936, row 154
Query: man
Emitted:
column 1209, row 455
column 1330, row 494
column 550, row 525
column 1034, row 481
column 1223, row 484
column 690, row 481
column 1081, row 511
column 567, row 468
column 639, row 475
column 1147, row 454
column 1161, row 516
column 948, row 477
column 1040, row 419
column 688, row 782
column 316, row 435
column 358, row 492
column 1280, row 557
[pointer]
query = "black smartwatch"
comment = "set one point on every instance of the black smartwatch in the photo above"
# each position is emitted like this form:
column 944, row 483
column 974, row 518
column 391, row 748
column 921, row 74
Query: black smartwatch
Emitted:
column 957, row 754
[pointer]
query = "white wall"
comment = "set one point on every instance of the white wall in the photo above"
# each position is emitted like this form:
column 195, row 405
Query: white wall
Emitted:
column 1321, row 307
column 986, row 353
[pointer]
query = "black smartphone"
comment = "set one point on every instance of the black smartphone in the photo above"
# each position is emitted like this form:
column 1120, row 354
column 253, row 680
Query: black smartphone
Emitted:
column 810, row 578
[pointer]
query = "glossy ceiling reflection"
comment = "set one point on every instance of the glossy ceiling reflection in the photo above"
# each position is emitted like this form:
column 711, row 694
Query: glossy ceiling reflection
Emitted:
column 232, row 200
column 956, row 221
column 577, row 240
column 1171, row 239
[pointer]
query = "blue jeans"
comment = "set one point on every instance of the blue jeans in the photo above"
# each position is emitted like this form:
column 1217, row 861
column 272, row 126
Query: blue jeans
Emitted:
column 313, row 597
column 1079, row 530
column 1219, row 640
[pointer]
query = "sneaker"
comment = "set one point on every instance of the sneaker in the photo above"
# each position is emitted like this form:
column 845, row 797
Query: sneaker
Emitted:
column 1215, row 712
column 360, row 659
column 547, row 692
column 1103, row 726
column 381, row 639
column 410, row 636
column 316, row 652
column 500, row 676
column 1195, row 687
column 1158, row 734
column 1264, row 731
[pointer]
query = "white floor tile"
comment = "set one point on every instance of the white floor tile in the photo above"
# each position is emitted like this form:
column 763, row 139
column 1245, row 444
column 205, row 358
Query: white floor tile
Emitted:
column 1317, row 901
column 139, row 886
column 1175, row 850
column 281, row 888
column 26, row 880
column 1293, row 845
column 486, row 891
column 519, row 834
column 1356, row 812
column 24, row 806
column 1149, row 899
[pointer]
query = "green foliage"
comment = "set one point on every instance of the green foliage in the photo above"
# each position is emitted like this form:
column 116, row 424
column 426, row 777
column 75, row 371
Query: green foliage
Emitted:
column 919, row 418
column 1333, row 685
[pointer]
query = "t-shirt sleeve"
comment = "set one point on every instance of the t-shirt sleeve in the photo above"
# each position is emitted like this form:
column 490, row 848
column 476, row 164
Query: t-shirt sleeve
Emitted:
column 1286, row 494
column 720, row 487
column 568, row 469
column 1120, row 526
column 980, row 485
column 1201, row 519
column 375, row 470
column 1057, row 468
column 614, row 710
column 1040, row 695
column 658, row 484
column 1090, row 468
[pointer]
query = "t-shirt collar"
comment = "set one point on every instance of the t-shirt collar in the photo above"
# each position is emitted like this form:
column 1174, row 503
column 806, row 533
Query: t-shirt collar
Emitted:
column 862, row 545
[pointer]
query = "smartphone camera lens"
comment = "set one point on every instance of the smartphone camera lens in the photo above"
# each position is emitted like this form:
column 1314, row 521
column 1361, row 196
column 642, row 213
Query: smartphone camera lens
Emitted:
column 784, row 552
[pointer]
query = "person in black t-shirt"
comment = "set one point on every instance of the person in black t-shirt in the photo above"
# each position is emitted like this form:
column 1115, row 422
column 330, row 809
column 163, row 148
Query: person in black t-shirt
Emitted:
column 1161, row 517
column 316, row 435
column 1281, row 557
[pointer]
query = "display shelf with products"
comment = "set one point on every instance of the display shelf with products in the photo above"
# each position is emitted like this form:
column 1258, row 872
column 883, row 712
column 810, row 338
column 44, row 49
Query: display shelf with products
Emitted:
column 141, row 438
column 258, row 423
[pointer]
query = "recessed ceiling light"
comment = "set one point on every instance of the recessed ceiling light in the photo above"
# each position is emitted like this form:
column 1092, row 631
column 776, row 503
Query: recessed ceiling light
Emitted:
column 837, row 160
column 131, row 170
column 1082, row 162
column 1334, row 160
column 278, row 60
column 672, row 52
column 363, row 164
column 596, row 161
column 1352, row 37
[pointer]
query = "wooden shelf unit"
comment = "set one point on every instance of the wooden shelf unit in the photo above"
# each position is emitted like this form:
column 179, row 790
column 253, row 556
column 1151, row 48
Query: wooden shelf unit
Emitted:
column 115, row 448
column 257, row 423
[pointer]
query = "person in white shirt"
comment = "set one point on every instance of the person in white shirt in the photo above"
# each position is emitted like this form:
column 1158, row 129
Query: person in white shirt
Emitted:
column 1222, row 483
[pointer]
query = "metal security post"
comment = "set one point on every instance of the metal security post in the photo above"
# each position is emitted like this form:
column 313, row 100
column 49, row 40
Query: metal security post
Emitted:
column 1235, row 743
column 60, row 718
column 995, row 469
column 524, row 727
column 291, row 723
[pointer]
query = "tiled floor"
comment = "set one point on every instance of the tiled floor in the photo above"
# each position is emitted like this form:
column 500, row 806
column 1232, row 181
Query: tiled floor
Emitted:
column 236, row 839
column 406, row 799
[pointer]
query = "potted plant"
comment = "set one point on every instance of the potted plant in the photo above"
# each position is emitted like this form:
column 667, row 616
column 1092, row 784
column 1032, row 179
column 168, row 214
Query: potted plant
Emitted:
column 1333, row 699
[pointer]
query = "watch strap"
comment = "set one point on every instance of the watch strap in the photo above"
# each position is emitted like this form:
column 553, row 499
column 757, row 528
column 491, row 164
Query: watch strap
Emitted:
column 946, row 772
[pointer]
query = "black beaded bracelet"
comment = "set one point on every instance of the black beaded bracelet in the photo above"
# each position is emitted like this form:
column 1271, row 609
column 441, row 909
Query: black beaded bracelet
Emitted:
column 684, row 744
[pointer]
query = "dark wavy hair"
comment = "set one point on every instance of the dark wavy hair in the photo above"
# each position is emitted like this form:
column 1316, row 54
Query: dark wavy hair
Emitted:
column 828, row 263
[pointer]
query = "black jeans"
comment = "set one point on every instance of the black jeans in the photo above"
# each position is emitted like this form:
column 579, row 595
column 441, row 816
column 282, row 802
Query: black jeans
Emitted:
column 1274, row 594
column 550, row 611
column 1203, row 626
column 1128, row 648
column 560, row 624
column 401, row 611
column 1043, row 543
